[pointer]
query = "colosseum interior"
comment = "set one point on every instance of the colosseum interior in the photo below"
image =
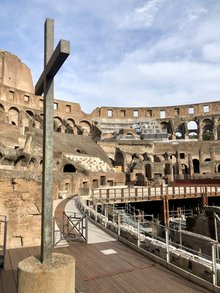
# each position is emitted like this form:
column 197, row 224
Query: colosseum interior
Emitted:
column 148, row 146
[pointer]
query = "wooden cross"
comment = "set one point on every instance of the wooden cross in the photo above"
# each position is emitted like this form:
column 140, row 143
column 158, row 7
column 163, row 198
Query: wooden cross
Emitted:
column 53, row 60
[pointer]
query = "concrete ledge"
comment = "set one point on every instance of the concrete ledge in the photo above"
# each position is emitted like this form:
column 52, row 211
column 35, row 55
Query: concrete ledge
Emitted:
column 55, row 277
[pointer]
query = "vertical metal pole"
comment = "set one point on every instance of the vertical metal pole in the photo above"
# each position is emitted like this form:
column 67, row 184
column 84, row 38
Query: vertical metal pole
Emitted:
column 96, row 212
column 216, row 235
column 167, row 245
column 214, row 269
column 47, row 208
column 119, row 224
column 180, row 231
column 5, row 238
column 106, row 216
column 87, row 229
column 138, row 231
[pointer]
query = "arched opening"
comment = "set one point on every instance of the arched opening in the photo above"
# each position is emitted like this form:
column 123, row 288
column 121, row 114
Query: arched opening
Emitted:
column 207, row 129
column 69, row 168
column 148, row 171
column 13, row 115
column 165, row 127
column 112, row 161
column 157, row 159
column 196, row 166
column 57, row 122
column 2, row 107
column 184, row 169
column 180, row 131
column 207, row 160
column 20, row 161
column 119, row 159
column 192, row 129
column 219, row 168
column 167, row 170
column 129, row 135
column 70, row 124
column 85, row 127
column 30, row 113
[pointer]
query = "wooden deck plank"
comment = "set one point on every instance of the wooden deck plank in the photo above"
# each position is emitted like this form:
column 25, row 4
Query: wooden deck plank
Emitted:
column 127, row 271
column 7, row 275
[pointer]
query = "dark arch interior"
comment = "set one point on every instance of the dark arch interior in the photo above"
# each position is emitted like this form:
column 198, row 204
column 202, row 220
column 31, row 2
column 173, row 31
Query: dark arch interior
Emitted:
column 69, row 168
column 196, row 165
column 30, row 113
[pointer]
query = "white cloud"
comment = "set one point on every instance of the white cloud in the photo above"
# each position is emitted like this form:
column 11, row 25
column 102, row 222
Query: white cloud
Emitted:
column 142, row 17
column 211, row 52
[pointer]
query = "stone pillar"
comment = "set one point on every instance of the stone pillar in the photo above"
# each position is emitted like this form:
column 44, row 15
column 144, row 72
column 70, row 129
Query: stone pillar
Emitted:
column 215, row 128
column 57, row 276
column 186, row 131
column 201, row 160
column 191, row 171
column 199, row 130
column 179, row 166
column 212, row 156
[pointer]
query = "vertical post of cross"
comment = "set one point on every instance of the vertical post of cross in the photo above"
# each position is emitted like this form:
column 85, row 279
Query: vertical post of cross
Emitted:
column 47, row 209
column 53, row 60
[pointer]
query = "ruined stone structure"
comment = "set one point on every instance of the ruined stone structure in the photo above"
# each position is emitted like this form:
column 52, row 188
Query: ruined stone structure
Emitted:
column 110, row 146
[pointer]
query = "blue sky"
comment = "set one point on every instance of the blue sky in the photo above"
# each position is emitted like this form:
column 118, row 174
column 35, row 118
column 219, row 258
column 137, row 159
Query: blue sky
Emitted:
column 123, row 52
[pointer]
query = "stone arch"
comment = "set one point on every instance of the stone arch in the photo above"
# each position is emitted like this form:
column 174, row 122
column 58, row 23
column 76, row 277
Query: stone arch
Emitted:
column 166, row 127
column 207, row 129
column 157, row 159
column 218, row 129
column 207, row 160
column 20, row 161
column 180, row 132
column 148, row 171
column 185, row 169
column 218, row 169
column 2, row 108
column 70, row 122
column 57, row 123
column 69, row 168
column 196, row 166
column 167, row 170
column 85, row 127
column 119, row 158
column 13, row 115
column 192, row 128
column 30, row 113
column 130, row 135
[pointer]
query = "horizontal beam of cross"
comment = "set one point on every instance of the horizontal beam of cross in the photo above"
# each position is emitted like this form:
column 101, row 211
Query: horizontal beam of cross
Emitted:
column 58, row 57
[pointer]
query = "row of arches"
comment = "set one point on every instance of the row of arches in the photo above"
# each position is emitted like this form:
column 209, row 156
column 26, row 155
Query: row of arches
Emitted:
column 60, row 125
column 205, row 128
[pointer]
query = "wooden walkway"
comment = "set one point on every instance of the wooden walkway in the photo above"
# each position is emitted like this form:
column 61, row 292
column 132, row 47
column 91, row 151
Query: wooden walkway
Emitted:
column 123, row 271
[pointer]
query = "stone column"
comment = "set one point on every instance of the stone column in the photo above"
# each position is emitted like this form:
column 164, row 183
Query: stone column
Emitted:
column 215, row 128
column 186, row 132
column 199, row 130
column 191, row 171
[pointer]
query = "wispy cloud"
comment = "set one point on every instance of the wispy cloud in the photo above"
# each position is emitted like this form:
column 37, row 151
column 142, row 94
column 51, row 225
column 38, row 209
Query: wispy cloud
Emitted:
column 141, row 17
column 123, row 52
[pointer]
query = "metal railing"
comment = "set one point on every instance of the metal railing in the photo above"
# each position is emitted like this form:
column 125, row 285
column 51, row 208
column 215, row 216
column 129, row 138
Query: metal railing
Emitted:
column 72, row 227
column 119, row 194
column 164, row 242
column 3, row 238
